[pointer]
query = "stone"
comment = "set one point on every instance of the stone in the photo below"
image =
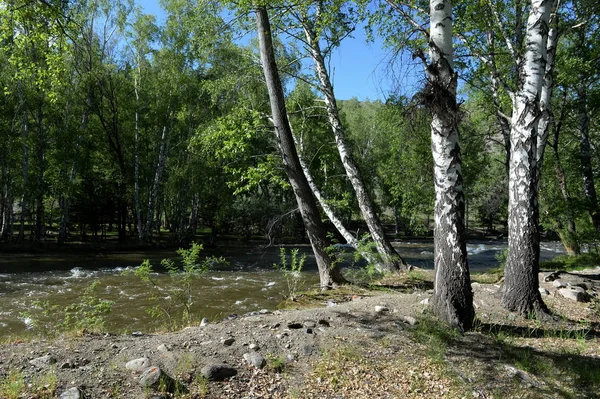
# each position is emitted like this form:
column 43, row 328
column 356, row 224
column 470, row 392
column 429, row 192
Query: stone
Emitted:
column 310, row 324
column 573, row 294
column 544, row 291
column 307, row 350
column 254, row 347
column 255, row 359
column 559, row 284
column 68, row 364
column 139, row 365
column 151, row 377
column 425, row 301
column 72, row 393
column 43, row 361
column 228, row 341
column 410, row 320
column 204, row 322
column 381, row 309
column 137, row 333
column 218, row 372
column 324, row 323
column 290, row 357
column 552, row 276
column 162, row 348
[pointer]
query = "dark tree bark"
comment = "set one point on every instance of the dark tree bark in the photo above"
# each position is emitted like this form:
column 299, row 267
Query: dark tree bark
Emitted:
column 520, row 292
column 328, row 273
column 452, row 294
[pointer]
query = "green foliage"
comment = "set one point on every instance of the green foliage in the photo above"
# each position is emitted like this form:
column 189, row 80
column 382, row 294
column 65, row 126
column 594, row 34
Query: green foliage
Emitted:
column 501, row 258
column 88, row 314
column 291, row 270
column 174, row 299
column 568, row 263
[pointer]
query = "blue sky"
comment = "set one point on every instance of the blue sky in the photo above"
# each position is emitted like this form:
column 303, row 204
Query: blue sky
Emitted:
column 357, row 68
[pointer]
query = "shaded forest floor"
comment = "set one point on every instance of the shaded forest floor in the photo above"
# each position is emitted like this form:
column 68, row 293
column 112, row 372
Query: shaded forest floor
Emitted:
column 354, row 343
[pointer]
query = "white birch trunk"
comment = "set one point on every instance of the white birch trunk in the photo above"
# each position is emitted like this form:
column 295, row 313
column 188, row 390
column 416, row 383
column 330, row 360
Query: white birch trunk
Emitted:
column 160, row 166
column 452, row 295
column 546, row 117
column 521, row 274
column 390, row 260
column 136, row 173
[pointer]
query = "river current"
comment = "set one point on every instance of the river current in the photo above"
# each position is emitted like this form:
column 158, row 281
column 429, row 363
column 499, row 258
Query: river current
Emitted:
column 250, row 284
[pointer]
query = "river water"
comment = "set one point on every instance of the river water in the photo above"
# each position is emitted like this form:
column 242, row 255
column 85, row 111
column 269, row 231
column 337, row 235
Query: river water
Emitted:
column 250, row 284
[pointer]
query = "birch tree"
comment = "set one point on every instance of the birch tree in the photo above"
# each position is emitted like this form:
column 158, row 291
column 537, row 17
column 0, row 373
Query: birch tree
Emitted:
column 452, row 295
column 328, row 273
column 520, row 292
column 312, row 23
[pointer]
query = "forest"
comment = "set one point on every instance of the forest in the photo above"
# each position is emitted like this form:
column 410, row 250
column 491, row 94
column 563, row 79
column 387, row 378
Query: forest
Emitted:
column 222, row 121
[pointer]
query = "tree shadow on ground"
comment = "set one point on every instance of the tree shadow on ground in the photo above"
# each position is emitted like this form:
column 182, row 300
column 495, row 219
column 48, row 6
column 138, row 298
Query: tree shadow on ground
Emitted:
column 508, row 367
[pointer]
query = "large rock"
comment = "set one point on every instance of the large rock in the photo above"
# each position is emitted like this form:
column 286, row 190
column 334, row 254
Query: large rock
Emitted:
column 574, row 293
column 255, row 359
column 153, row 377
column 139, row 365
column 72, row 393
column 218, row 372
column 43, row 362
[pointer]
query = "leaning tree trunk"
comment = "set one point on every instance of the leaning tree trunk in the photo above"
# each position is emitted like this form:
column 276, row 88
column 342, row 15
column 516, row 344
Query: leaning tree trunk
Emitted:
column 520, row 293
column 390, row 260
column 452, row 294
column 339, row 225
column 329, row 274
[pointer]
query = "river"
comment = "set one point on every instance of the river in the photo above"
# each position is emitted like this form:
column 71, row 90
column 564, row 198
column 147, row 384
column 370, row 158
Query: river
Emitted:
column 250, row 284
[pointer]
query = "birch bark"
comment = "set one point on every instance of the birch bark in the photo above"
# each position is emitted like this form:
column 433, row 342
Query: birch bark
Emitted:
column 328, row 273
column 452, row 295
column 520, row 293
column 390, row 260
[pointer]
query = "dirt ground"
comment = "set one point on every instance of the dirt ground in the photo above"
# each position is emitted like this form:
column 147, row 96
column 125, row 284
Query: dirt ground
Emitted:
column 364, row 344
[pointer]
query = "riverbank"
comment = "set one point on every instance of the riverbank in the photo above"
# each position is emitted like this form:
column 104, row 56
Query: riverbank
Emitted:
column 357, row 344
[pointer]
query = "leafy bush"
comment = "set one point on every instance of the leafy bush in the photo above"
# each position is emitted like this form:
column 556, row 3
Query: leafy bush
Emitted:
column 174, row 301
column 86, row 315
column 291, row 271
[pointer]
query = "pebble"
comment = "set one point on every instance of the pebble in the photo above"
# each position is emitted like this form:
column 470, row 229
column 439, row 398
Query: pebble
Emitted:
column 228, row 341
column 254, row 347
column 204, row 322
column 381, row 309
column 410, row 320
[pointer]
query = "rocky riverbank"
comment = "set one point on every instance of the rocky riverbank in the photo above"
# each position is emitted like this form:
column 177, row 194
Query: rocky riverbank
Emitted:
column 366, row 344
